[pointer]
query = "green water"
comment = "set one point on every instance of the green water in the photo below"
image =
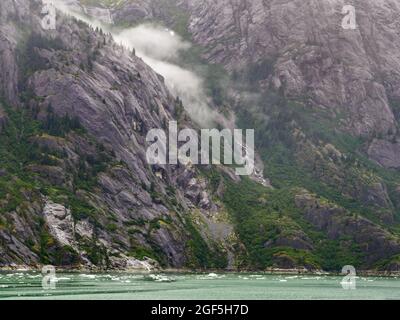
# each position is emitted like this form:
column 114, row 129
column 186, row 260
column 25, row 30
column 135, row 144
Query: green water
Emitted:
column 28, row 285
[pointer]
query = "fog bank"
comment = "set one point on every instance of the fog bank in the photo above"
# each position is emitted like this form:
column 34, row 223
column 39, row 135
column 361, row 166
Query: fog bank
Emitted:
column 159, row 48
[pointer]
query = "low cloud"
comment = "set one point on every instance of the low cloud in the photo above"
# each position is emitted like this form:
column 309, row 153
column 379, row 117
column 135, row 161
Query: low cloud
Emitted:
column 153, row 41
column 160, row 49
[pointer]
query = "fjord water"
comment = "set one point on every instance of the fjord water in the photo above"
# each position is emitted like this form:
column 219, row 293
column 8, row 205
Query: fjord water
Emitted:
column 28, row 285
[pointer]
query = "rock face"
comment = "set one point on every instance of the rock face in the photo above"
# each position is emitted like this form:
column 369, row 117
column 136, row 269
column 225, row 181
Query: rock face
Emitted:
column 142, row 212
column 352, row 77
column 60, row 223
column 8, row 42
column 125, row 11
column 94, row 199
column 134, row 11
column 353, row 71
column 385, row 153
column 68, row 233
column 375, row 242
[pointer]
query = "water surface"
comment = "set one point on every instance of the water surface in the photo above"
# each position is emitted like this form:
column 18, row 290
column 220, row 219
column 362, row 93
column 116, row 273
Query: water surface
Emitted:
column 257, row 286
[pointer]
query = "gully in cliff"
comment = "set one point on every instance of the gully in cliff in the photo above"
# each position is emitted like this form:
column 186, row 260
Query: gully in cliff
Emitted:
column 183, row 146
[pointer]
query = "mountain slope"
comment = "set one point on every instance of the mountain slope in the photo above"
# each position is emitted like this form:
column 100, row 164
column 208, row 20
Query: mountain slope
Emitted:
column 323, row 100
column 76, row 188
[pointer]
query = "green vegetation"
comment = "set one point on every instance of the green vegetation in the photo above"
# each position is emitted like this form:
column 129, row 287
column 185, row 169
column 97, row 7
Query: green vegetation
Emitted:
column 56, row 126
column 255, row 72
column 262, row 216
column 395, row 106
column 200, row 254
column 335, row 254
column 18, row 152
column 96, row 253
column 292, row 138
column 141, row 253
column 175, row 17
column 45, row 243
column 301, row 146
column 29, row 59
column 387, row 263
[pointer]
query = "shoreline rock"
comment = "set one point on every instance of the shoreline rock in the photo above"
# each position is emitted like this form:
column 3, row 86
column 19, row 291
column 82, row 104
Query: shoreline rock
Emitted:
column 271, row 271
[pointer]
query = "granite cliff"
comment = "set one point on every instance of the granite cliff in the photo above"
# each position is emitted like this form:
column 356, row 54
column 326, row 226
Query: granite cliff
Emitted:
column 324, row 102
column 84, row 193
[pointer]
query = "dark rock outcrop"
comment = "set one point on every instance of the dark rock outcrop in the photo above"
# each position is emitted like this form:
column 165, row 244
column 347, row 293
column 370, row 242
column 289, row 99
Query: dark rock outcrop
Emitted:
column 375, row 242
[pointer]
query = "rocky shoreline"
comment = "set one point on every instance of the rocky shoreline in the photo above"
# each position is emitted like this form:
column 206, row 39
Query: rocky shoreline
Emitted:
column 277, row 271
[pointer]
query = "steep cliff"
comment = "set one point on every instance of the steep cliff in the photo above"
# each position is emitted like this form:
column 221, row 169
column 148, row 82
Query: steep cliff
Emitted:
column 324, row 99
column 301, row 49
column 76, row 187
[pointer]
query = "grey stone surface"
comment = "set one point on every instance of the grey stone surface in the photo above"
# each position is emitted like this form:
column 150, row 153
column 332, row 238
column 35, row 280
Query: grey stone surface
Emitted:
column 117, row 98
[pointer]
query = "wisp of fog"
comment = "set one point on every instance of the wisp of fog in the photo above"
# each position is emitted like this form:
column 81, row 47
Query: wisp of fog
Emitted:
column 158, row 47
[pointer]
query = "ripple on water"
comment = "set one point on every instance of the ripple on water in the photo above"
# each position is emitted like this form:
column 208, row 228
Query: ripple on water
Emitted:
column 88, row 276
column 210, row 276
column 117, row 285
